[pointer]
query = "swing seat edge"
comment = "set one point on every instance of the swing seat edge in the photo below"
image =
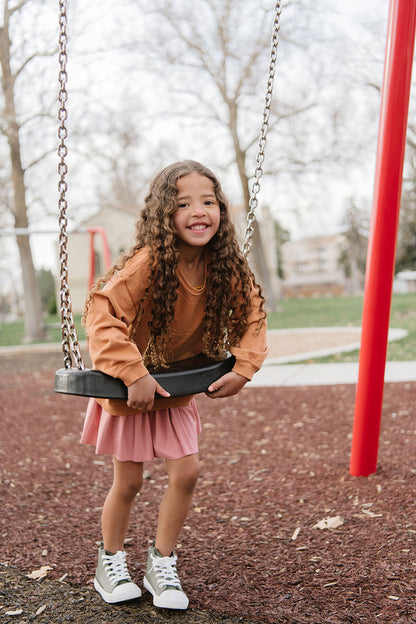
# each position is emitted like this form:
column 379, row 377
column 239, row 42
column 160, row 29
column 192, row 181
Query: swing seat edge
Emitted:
column 191, row 376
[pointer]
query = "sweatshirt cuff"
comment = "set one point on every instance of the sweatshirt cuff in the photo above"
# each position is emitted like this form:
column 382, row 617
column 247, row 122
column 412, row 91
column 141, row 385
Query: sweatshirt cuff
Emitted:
column 247, row 362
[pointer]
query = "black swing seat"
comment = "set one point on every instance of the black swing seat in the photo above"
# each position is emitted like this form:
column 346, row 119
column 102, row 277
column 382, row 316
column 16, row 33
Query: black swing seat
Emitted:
column 190, row 376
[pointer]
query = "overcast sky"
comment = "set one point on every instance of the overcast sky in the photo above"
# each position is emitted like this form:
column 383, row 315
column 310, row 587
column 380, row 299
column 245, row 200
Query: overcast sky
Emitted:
column 353, row 14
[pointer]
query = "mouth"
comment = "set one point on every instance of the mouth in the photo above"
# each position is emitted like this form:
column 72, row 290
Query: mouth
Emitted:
column 198, row 227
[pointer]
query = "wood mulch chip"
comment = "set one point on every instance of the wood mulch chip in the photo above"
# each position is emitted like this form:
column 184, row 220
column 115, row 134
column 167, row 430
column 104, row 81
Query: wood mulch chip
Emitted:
column 274, row 470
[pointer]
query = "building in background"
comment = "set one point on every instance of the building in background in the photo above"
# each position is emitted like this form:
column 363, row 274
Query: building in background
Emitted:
column 119, row 228
column 311, row 267
column 405, row 282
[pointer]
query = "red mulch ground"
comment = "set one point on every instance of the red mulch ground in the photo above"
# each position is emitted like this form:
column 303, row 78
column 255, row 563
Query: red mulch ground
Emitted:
column 275, row 463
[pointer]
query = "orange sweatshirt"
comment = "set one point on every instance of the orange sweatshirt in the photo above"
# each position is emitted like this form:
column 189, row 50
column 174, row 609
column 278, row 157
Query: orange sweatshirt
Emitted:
column 113, row 309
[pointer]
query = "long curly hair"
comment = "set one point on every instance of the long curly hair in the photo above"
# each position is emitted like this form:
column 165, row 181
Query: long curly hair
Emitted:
column 229, row 279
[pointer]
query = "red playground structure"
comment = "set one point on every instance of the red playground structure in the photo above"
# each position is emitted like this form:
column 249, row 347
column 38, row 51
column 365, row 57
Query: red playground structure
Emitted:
column 383, row 235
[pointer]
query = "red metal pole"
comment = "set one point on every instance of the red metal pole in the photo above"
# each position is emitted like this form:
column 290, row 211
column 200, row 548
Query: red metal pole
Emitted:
column 106, row 252
column 383, row 234
column 106, row 247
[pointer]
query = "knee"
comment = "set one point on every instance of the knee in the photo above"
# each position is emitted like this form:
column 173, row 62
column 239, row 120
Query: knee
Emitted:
column 129, row 487
column 187, row 478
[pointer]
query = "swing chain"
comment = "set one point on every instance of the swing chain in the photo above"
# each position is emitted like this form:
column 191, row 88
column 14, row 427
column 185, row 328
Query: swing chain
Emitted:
column 69, row 334
column 253, row 202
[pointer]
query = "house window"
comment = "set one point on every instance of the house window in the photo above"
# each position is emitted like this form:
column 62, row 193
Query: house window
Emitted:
column 301, row 266
column 321, row 258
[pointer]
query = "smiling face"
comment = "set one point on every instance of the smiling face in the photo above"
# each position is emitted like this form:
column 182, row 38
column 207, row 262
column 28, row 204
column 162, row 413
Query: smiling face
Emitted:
column 197, row 217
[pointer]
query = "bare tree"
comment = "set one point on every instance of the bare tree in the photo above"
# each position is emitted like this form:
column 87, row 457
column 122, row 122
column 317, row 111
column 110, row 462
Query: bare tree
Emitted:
column 11, row 127
column 406, row 239
column 369, row 80
column 353, row 254
column 214, row 55
column 127, row 161
column 211, row 60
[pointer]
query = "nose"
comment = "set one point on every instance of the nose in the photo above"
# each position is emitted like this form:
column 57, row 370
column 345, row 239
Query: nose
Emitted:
column 199, row 209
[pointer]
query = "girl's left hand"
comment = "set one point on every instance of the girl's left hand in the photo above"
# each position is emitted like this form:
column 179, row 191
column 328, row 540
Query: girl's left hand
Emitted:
column 227, row 385
column 141, row 393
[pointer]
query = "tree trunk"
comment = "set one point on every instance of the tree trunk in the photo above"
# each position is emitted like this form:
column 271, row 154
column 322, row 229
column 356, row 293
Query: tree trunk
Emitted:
column 32, row 304
column 356, row 276
column 34, row 326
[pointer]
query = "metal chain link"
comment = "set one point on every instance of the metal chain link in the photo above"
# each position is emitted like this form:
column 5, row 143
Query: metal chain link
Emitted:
column 69, row 334
column 253, row 203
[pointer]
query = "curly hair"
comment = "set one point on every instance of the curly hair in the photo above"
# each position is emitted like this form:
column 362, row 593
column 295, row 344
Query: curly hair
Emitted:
column 229, row 279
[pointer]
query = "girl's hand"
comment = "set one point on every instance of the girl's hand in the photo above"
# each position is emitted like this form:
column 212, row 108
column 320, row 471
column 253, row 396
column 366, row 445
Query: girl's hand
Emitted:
column 227, row 385
column 141, row 393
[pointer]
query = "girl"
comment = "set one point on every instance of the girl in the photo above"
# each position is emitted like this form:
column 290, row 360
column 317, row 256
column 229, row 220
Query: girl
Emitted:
column 184, row 288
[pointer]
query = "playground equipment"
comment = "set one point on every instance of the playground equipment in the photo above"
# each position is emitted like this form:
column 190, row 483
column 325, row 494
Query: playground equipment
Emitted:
column 182, row 378
column 383, row 235
column 92, row 231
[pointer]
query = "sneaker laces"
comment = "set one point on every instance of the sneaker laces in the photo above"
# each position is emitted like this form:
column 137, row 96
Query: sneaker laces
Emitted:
column 165, row 571
column 116, row 568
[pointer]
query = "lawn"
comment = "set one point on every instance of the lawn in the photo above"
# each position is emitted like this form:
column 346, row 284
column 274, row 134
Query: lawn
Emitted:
column 347, row 312
column 12, row 333
column 321, row 312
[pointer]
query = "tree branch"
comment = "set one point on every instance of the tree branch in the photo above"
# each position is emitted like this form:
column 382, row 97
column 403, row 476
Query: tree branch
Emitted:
column 30, row 59
column 17, row 7
column 39, row 159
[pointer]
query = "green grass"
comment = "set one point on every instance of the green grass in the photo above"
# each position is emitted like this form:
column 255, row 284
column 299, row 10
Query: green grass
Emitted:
column 12, row 334
column 322, row 312
column 347, row 312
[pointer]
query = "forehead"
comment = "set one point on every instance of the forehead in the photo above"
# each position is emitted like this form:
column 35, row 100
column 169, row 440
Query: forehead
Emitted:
column 195, row 183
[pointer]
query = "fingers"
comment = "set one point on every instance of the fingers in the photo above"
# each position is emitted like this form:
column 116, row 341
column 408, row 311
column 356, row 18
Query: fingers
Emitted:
column 140, row 406
column 161, row 391
column 217, row 385
column 227, row 385
column 213, row 388
column 141, row 394
column 216, row 391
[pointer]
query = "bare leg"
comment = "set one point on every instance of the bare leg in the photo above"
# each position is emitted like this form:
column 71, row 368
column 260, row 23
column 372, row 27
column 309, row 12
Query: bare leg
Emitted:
column 183, row 475
column 128, row 480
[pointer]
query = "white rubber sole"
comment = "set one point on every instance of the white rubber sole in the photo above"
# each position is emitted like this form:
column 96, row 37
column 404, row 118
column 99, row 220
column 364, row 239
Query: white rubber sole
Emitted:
column 126, row 591
column 169, row 599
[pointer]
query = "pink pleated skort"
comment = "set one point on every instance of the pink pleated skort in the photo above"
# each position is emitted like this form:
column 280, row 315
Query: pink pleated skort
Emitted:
column 169, row 433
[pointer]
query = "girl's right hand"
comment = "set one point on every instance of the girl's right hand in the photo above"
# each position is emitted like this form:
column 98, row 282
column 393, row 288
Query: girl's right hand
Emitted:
column 141, row 393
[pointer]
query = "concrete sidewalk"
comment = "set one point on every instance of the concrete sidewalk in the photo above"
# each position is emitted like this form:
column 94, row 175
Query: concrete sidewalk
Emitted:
column 284, row 371
column 325, row 374
column 287, row 370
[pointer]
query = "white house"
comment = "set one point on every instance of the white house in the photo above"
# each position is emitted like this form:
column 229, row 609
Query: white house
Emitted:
column 118, row 227
column 311, row 267
column 405, row 282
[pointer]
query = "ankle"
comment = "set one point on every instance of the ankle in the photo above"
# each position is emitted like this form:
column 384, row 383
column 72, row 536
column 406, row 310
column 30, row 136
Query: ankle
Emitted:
column 162, row 550
column 112, row 548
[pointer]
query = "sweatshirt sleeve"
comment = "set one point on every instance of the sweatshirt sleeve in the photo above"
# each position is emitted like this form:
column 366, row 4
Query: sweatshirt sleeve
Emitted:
column 110, row 315
column 252, row 349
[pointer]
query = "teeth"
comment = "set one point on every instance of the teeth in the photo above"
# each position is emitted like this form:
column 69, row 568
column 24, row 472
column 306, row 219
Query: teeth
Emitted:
column 198, row 227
